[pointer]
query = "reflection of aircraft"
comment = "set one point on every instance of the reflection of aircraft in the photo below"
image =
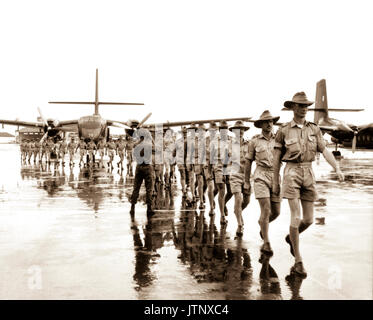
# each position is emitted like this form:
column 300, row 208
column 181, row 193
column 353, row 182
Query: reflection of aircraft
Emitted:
column 93, row 126
column 347, row 134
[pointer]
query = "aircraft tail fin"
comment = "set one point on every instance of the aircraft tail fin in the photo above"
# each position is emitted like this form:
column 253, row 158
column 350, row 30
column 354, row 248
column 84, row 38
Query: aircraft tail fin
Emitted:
column 321, row 101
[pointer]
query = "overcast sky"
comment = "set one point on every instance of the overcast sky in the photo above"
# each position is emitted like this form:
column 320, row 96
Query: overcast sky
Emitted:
column 184, row 59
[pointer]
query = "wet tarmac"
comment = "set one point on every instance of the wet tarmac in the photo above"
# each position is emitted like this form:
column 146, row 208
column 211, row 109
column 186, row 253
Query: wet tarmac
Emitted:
column 68, row 234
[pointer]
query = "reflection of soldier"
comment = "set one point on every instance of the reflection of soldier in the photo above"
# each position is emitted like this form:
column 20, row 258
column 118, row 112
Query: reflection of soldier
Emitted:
column 269, row 282
column 294, row 282
column 296, row 143
column 261, row 150
column 238, row 277
column 143, row 255
column 144, row 170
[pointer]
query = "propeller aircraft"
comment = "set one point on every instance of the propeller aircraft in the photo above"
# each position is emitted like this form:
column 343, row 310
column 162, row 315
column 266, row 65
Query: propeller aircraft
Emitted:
column 93, row 127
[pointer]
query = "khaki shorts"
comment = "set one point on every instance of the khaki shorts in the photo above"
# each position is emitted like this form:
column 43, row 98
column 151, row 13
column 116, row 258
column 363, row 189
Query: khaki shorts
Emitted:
column 121, row 154
column 263, row 179
column 236, row 181
column 111, row 153
column 299, row 182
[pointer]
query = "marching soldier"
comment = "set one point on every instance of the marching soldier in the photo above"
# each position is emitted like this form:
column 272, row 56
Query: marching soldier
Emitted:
column 82, row 146
column 111, row 149
column 30, row 150
column 168, row 147
column 101, row 146
column 180, row 152
column 72, row 147
column 143, row 154
column 37, row 150
column 63, row 150
column 91, row 149
column 240, row 185
column 23, row 150
column 219, row 158
column 121, row 146
column 128, row 151
column 49, row 146
column 296, row 143
column 261, row 149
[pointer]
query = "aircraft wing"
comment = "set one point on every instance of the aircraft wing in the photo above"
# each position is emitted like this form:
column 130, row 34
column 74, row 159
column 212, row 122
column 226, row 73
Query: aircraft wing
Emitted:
column 366, row 127
column 22, row 123
column 64, row 123
column 328, row 129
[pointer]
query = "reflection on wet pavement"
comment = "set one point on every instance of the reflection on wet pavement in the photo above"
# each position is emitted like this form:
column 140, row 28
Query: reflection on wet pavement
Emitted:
column 75, row 224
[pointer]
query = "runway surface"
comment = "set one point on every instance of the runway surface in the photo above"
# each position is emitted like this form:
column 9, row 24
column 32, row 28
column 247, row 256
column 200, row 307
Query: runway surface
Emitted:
column 68, row 234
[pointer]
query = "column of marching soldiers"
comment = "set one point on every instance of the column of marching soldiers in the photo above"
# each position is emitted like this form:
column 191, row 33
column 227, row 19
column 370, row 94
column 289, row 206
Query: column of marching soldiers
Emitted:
column 52, row 151
column 198, row 173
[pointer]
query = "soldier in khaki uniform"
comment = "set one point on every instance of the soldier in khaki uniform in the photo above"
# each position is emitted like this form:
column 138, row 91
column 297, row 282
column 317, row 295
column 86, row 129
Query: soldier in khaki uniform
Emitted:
column 240, row 186
column 71, row 147
column 82, row 146
column 91, row 150
column 121, row 145
column 296, row 143
column 261, row 149
column 111, row 150
column 180, row 153
column 37, row 151
column 101, row 145
column 128, row 152
column 63, row 150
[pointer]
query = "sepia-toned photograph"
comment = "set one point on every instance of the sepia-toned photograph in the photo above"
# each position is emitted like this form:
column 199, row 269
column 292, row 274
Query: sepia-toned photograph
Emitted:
column 185, row 151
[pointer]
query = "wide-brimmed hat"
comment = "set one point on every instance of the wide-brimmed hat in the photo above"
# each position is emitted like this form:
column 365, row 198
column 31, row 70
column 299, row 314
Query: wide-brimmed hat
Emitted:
column 223, row 124
column 300, row 98
column 183, row 130
column 265, row 116
column 239, row 125
column 201, row 126
column 192, row 127
column 133, row 123
column 213, row 126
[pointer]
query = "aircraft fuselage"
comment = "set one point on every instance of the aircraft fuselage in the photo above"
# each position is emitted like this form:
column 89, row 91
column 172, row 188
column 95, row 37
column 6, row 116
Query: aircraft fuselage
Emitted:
column 93, row 127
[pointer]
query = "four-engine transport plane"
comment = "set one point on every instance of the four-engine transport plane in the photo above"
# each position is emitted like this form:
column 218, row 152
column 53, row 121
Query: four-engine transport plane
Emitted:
column 349, row 135
column 93, row 127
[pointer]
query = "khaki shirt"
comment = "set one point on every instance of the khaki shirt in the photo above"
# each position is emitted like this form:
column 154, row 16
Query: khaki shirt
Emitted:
column 101, row 145
column 299, row 144
column 238, row 160
column 121, row 145
column 181, row 151
column 111, row 145
column 261, row 150
column 72, row 146
column 91, row 145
